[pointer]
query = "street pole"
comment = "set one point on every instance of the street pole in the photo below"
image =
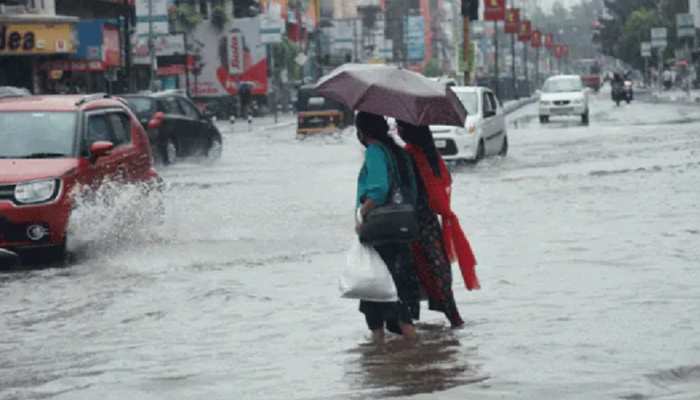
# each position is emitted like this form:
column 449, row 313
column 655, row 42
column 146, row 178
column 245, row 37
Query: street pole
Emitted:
column 187, row 65
column 512, row 65
column 537, row 67
column 495, row 44
column 646, row 71
column 525, row 61
column 127, row 46
column 466, row 49
column 151, row 45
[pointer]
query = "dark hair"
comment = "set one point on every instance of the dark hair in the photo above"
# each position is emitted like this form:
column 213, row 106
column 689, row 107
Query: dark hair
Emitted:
column 375, row 126
column 422, row 137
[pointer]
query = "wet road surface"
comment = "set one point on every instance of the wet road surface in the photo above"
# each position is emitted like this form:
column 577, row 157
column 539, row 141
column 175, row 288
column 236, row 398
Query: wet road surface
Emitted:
column 587, row 240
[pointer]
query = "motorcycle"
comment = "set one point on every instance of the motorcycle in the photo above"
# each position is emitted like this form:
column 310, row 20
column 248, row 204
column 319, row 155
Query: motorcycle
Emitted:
column 618, row 92
column 628, row 91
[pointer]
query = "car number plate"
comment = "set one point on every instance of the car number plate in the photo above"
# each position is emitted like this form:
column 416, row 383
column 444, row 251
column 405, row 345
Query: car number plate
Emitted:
column 562, row 110
column 441, row 144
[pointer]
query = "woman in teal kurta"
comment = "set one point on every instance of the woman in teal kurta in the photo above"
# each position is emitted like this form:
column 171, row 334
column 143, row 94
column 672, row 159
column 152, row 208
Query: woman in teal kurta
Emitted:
column 373, row 185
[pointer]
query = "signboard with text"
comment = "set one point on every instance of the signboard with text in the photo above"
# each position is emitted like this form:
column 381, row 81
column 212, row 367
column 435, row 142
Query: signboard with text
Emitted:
column 525, row 31
column 685, row 25
column 646, row 49
column 549, row 41
column 494, row 10
column 536, row 39
column 658, row 38
column 512, row 24
column 155, row 11
column 36, row 38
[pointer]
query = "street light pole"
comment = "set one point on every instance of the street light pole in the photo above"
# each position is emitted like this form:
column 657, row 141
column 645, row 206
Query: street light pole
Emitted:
column 151, row 46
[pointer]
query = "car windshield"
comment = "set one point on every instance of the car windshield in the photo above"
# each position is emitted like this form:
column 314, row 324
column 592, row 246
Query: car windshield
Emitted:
column 562, row 85
column 37, row 134
column 469, row 100
column 140, row 105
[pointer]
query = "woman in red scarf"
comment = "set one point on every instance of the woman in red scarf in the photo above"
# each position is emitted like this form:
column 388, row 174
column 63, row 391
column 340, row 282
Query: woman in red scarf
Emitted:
column 437, row 246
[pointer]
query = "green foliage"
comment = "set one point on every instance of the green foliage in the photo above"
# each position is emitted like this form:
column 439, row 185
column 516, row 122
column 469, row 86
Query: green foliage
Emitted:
column 433, row 68
column 284, row 54
column 186, row 18
column 636, row 30
column 219, row 17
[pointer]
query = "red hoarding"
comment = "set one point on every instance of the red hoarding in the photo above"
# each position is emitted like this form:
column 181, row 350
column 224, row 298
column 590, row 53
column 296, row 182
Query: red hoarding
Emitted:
column 536, row 39
column 512, row 20
column 525, row 31
column 549, row 41
column 494, row 10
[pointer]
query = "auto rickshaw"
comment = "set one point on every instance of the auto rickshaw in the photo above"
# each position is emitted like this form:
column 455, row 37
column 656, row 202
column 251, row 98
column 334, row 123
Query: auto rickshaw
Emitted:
column 317, row 114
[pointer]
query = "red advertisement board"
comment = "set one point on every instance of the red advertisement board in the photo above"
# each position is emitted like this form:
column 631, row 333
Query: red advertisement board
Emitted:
column 536, row 39
column 525, row 31
column 549, row 41
column 494, row 10
column 559, row 50
column 512, row 20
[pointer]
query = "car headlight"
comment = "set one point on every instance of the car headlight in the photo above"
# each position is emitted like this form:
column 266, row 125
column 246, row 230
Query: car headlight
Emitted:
column 36, row 191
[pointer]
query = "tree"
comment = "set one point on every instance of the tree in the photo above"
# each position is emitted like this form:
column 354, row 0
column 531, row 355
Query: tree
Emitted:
column 433, row 68
column 637, row 29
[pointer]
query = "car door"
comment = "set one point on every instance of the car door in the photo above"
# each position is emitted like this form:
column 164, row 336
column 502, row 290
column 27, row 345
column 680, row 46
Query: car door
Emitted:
column 499, row 124
column 129, row 158
column 175, row 125
column 108, row 167
column 490, row 126
column 198, row 127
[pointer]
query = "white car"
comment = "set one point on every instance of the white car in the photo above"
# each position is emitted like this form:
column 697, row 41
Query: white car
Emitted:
column 563, row 95
column 484, row 132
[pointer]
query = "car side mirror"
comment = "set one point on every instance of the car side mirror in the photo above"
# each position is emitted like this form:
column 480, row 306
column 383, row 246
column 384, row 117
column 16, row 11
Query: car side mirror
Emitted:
column 100, row 149
column 157, row 120
column 208, row 115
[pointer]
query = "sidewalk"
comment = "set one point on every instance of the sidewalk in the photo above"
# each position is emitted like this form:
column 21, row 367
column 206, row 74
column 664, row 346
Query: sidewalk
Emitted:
column 676, row 96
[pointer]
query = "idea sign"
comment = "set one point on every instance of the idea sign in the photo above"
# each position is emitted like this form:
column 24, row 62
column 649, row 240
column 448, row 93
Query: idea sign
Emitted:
column 512, row 20
column 494, row 10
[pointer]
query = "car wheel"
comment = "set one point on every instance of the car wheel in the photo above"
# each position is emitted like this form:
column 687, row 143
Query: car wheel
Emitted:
column 504, row 147
column 480, row 151
column 215, row 149
column 544, row 119
column 169, row 152
column 584, row 118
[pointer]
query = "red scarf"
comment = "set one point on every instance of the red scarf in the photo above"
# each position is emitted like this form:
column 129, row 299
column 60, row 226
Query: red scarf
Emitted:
column 439, row 191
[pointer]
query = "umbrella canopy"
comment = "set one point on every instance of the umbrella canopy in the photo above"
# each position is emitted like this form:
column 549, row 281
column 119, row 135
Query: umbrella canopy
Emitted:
column 393, row 92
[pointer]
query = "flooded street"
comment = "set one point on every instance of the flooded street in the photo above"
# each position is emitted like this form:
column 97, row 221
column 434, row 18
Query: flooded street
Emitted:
column 587, row 239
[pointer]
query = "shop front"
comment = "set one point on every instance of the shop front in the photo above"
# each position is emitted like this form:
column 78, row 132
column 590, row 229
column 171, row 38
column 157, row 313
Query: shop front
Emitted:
column 94, row 66
column 28, row 41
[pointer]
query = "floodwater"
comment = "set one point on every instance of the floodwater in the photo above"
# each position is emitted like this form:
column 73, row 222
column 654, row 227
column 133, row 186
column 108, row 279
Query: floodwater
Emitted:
column 588, row 247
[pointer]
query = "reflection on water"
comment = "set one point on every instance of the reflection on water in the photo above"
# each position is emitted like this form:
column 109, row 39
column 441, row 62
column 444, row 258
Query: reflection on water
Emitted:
column 437, row 361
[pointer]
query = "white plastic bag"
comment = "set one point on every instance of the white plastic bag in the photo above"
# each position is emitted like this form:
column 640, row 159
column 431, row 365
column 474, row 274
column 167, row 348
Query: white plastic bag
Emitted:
column 366, row 276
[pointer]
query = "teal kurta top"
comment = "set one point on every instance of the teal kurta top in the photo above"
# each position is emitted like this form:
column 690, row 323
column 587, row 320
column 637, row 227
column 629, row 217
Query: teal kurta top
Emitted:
column 373, row 181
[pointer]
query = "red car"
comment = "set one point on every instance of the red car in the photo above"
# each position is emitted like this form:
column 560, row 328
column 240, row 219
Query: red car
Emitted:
column 50, row 144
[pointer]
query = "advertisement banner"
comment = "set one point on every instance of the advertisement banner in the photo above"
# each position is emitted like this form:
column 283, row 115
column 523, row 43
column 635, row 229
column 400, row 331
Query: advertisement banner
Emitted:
column 111, row 48
column 165, row 45
column 549, row 41
column 559, row 50
column 229, row 60
column 512, row 24
column 158, row 13
column 525, row 31
column 415, row 38
column 235, row 52
column 494, row 10
column 536, row 39
column 37, row 38
column 275, row 9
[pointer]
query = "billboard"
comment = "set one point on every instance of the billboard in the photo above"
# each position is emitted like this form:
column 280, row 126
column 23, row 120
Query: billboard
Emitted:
column 158, row 12
column 512, row 24
column 229, row 59
column 415, row 38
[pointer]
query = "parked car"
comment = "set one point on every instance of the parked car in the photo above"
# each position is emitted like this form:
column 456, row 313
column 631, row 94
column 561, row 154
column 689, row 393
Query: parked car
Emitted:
column 484, row 132
column 316, row 114
column 176, row 128
column 50, row 145
column 563, row 95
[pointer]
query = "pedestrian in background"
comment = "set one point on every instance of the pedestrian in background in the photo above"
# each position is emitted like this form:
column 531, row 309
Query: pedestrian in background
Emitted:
column 373, row 187
column 437, row 246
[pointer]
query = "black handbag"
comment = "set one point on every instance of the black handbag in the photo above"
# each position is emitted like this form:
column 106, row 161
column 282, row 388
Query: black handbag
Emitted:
column 395, row 221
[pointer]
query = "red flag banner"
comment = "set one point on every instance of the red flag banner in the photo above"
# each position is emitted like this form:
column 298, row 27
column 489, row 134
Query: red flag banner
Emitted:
column 525, row 31
column 549, row 41
column 494, row 10
column 558, row 50
column 512, row 20
column 565, row 51
column 536, row 39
